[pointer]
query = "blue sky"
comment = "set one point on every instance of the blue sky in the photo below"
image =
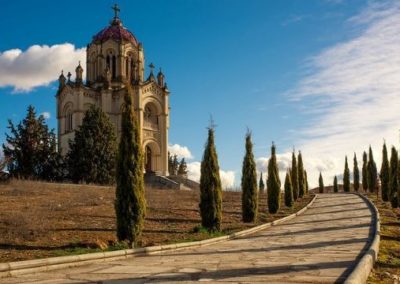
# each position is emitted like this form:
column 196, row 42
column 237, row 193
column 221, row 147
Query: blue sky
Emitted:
column 292, row 71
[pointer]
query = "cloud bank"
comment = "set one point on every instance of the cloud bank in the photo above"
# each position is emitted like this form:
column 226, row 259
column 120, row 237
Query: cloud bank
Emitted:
column 180, row 151
column 39, row 65
column 352, row 91
column 193, row 168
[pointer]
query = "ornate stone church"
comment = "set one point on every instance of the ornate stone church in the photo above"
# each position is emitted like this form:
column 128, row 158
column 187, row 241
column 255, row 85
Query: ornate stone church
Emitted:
column 115, row 59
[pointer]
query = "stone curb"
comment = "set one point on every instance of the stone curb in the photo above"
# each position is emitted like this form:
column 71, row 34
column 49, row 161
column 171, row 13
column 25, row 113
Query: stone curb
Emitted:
column 364, row 266
column 9, row 269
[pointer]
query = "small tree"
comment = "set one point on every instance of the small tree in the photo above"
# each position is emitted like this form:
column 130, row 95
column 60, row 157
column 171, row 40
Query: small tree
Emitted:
column 249, row 184
column 365, row 172
column 31, row 149
column 300, row 171
column 210, row 186
column 295, row 177
column 170, row 164
column 393, row 178
column 384, row 174
column 182, row 169
column 335, row 185
column 288, row 190
column 372, row 172
column 321, row 183
column 273, row 184
column 130, row 203
column 356, row 173
column 261, row 185
column 346, row 177
column 92, row 153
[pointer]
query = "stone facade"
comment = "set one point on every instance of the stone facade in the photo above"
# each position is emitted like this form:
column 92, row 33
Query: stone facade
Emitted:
column 115, row 59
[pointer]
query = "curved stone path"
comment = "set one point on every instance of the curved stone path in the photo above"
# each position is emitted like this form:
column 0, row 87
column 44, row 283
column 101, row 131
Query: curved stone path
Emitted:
column 320, row 246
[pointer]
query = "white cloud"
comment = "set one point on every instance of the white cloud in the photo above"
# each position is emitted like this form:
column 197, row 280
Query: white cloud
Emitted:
column 352, row 89
column 39, row 65
column 180, row 151
column 227, row 177
column 46, row 114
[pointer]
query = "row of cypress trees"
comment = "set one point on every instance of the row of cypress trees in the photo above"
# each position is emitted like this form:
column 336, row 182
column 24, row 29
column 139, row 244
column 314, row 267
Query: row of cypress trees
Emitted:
column 369, row 174
column 389, row 175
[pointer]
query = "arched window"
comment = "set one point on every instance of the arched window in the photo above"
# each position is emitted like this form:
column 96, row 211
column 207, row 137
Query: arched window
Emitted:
column 108, row 62
column 114, row 67
column 68, row 121
column 127, row 64
column 150, row 117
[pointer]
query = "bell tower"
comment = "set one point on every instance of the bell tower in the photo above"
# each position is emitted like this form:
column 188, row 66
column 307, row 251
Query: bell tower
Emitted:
column 114, row 51
column 115, row 65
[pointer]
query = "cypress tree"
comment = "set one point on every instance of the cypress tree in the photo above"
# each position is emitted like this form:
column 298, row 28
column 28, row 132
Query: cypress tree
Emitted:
column 384, row 174
column 306, row 180
column 300, row 171
column 393, row 178
column 372, row 172
column 346, row 177
column 335, row 185
column 273, row 184
column 249, row 184
column 92, row 153
column 261, row 185
column 356, row 173
column 321, row 183
column 210, row 186
column 288, row 190
column 130, row 203
column 365, row 172
column 182, row 169
column 295, row 177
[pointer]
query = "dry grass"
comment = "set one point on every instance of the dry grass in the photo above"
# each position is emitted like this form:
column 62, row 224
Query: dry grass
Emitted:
column 41, row 219
column 387, row 267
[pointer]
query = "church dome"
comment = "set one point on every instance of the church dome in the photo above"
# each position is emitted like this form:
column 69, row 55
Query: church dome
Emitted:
column 116, row 32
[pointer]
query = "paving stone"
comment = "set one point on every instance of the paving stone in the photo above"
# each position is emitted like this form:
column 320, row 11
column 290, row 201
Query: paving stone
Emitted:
column 319, row 246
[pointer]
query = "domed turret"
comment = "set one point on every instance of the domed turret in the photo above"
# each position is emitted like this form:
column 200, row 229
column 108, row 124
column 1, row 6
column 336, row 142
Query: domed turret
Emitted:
column 79, row 72
column 117, row 49
column 115, row 31
column 61, row 80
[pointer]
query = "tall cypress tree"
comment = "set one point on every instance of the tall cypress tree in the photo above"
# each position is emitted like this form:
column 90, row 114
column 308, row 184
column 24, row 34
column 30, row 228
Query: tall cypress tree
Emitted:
column 365, row 172
column 210, row 186
column 249, row 184
column 130, row 203
column 273, row 183
column 393, row 178
column 288, row 190
column 372, row 172
column 306, row 181
column 300, row 172
column 356, row 173
column 321, row 183
column 346, row 177
column 92, row 153
column 384, row 174
column 295, row 177
column 261, row 185
column 335, row 185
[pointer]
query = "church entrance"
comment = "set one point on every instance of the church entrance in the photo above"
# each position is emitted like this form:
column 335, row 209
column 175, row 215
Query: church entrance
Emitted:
column 148, row 165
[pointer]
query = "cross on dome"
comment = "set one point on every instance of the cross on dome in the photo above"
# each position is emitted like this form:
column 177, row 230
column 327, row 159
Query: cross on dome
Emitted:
column 116, row 10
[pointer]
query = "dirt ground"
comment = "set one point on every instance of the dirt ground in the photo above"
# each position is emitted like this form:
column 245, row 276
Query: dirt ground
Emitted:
column 41, row 219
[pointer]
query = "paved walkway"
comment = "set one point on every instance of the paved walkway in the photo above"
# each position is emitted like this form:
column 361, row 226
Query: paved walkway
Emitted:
column 320, row 246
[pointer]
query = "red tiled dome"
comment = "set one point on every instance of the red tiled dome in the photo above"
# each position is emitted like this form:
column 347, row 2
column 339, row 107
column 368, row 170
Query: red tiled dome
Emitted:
column 116, row 32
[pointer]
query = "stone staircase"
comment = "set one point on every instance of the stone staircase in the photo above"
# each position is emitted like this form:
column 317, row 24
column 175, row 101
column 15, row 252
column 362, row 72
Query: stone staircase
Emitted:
column 162, row 182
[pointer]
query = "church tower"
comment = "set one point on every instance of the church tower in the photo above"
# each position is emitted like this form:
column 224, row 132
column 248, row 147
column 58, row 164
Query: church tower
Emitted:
column 114, row 60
